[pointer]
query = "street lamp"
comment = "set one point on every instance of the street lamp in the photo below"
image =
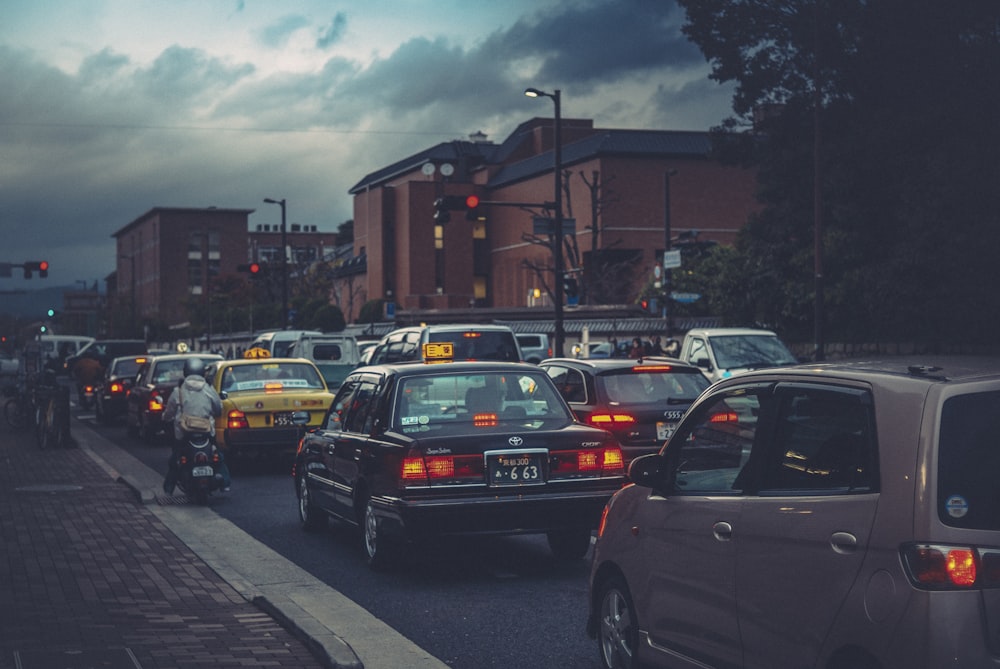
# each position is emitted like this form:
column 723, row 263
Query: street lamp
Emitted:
column 284, row 263
column 558, row 218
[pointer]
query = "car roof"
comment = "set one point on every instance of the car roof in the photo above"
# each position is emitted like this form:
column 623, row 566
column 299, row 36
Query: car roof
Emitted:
column 720, row 332
column 599, row 365
column 239, row 362
column 420, row 368
column 932, row 369
column 184, row 356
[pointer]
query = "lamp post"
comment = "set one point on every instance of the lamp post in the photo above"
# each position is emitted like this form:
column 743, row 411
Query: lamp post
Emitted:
column 557, row 227
column 131, row 259
column 284, row 263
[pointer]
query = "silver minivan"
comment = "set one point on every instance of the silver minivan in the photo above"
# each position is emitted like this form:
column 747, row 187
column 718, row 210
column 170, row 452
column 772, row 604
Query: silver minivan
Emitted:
column 837, row 516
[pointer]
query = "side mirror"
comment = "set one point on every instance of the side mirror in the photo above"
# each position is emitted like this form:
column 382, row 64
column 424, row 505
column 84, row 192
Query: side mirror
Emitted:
column 647, row 470
column 704, row 363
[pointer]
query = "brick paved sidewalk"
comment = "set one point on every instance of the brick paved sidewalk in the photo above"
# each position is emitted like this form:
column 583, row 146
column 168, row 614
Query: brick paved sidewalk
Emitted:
column 90, row 578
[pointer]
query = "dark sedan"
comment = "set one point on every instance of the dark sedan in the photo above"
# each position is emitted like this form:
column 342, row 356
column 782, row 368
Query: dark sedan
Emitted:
column 111, row 391
column 151, row 389
column 412, row 451
column 639, row 401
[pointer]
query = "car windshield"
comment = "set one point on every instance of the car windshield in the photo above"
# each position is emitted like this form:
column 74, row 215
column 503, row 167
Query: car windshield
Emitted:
column 736, row 351
column 629, row 386
column 270, row 376
column 464, row 402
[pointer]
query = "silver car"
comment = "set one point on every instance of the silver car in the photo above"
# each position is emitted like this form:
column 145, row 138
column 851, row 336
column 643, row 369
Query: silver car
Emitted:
column 836, row 516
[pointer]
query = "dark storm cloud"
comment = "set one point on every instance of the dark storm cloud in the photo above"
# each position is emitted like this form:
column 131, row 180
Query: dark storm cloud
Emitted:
column 332, row 33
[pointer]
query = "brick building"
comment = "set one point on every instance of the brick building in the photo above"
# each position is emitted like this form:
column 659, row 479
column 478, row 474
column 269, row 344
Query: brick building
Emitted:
column 618, row 186
column 169, row 255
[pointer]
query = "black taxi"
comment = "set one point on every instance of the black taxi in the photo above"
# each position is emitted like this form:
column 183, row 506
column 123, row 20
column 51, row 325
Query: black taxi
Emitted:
column 410, row 451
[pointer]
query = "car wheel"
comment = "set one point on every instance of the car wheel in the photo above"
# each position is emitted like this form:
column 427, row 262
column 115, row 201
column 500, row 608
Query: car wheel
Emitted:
column 312, row 518
column 618, row 629
column 378, row 548
column 569, row 544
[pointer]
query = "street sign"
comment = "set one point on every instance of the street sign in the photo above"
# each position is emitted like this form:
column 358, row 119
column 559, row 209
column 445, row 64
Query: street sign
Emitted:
column 542, row 225
column 685, row 298
column 671, row 259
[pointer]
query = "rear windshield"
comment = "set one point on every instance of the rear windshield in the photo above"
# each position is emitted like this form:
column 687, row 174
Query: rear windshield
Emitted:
column 969, row 462
column 463, row 403
column 126, row 367
column 637, row 387
column 476, row 345
column 735, row 351
column 269, row 376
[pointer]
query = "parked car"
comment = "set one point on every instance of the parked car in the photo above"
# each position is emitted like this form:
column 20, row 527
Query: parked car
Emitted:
column 334, row 355
column 723, row 352
column 469, row 342
column 535, row 346
column 111, row 392
column 259, row 399
column 837, row 515
column 410, row 452
column 639, row 401
column 151, row 388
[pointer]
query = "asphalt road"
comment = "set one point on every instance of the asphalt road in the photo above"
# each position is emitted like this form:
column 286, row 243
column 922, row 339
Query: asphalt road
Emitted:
column 473, row 603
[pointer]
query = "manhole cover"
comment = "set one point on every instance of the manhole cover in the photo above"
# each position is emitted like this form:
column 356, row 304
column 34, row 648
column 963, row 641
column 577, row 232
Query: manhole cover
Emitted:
column 50, row 487
column 114, row 658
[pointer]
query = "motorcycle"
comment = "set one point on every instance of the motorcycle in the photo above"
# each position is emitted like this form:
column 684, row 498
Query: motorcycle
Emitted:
column 198, row 467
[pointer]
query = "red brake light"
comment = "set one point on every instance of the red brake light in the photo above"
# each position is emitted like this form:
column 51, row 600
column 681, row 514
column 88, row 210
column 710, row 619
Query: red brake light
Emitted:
column 117, row 388
column 484, row 420
column 652, row 368
column 471, row 335
column 942, row 567
column 156, row 403
column 611, row 419
column 589, row 461
column 725, row 417
column 236, row 420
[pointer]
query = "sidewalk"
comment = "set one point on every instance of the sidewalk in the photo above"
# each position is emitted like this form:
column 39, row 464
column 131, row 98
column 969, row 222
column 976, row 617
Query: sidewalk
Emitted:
column 95, row 571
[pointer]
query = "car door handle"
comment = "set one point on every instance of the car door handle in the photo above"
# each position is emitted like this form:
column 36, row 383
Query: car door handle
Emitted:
column 722, row 530
column 843, row 542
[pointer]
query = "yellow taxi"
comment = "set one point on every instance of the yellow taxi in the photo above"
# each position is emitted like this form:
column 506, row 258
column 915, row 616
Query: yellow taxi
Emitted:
column 263, row 402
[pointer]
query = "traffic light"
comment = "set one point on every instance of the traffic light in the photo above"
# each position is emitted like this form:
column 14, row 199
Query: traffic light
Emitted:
column 443, row 206
column 253, row 269
column 40, row 266
column 51, row 313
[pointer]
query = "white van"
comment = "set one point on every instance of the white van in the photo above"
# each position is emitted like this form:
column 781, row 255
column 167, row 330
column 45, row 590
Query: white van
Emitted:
column 277, row 342
column 335, row 355
column 54, row 349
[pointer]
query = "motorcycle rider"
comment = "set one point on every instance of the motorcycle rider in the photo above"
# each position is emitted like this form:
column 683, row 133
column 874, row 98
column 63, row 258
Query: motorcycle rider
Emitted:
column 201, row 400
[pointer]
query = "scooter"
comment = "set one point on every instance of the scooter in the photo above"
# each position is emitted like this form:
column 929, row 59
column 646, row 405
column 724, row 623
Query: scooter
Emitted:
column 198, row 467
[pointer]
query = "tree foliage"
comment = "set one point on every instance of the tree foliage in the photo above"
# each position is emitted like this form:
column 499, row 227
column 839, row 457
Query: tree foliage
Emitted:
column 906, row 94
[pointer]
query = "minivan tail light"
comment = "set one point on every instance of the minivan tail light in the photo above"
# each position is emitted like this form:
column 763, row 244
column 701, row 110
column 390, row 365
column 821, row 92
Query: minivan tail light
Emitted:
column 947, row 567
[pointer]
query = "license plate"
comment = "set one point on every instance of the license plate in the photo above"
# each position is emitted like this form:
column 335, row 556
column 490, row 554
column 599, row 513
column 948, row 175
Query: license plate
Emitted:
column 202, row 471
column 664, row 430
column 283, row 419
column 516, row 469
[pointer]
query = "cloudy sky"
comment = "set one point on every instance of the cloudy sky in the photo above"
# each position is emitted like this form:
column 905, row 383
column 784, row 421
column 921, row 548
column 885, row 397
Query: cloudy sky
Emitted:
column 112, row 107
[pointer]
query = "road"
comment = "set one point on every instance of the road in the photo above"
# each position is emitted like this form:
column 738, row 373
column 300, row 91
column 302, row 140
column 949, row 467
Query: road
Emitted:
column 473, row 603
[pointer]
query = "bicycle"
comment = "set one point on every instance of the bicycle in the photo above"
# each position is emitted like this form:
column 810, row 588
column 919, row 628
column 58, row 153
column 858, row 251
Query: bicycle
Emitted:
column 52, row 417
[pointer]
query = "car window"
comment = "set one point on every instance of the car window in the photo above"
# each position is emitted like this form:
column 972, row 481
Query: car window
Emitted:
column 327, row 352
column 709, row 452
column 340, row 404
column 270, row 375
column 360, row 412
column 823, row 441
column 969, row 462
column 457, row 403
column 636, row 387
column 569, row 382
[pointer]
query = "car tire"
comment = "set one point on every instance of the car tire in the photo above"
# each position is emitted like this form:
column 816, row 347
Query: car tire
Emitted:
column 312, row 518
column 569, row 545
column 617, row 626
column 378, row 548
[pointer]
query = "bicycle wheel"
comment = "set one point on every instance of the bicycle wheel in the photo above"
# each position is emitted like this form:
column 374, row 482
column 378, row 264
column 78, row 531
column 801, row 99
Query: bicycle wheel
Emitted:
column 13, row 412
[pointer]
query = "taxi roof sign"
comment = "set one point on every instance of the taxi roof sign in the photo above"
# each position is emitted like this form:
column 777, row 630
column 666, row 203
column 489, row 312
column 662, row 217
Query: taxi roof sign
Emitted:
column 439, row 351
column 257, row 352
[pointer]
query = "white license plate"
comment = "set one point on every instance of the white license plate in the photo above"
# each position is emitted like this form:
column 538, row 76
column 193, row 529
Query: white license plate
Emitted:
column 664, row 430
column 202, row 471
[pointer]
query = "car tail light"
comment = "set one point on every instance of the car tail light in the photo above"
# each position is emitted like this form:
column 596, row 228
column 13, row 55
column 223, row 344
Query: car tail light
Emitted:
column 652, row 368
column 236, row 420
column 725, row 417
column 117, row 388
column 611, row 421
column 947, row 567
column 587, row 462
column 155, row 403
column 273, row 387
column 429, row 470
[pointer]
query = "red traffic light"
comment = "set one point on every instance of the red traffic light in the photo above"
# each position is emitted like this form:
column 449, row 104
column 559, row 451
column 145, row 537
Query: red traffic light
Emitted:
column 254, row 268
column 471, row 202
column 43, row 265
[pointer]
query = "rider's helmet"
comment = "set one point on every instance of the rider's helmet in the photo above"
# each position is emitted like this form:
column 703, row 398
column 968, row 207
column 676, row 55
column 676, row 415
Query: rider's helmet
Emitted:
column 194, row 366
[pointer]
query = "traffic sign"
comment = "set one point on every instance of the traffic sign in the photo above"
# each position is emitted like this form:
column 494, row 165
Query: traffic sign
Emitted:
column 685, row 298
column 671, row 259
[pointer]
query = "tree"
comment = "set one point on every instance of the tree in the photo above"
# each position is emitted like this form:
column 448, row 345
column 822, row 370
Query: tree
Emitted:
column 895, row 101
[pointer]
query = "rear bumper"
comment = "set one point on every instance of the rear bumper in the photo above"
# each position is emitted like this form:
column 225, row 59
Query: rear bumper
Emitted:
column 415, row 519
